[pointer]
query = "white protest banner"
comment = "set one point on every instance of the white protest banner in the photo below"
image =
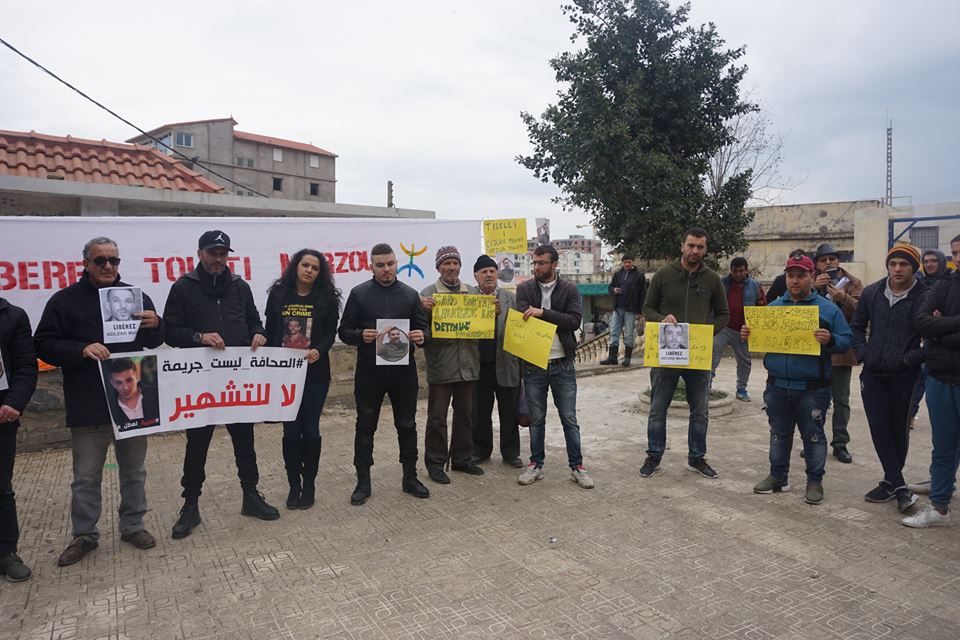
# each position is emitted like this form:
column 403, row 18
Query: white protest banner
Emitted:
column 174, row 389
column 156, row 251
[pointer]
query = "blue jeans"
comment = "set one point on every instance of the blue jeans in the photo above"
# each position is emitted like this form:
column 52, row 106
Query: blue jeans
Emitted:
column 663, row 382
column 943, row 403
column 626, row 320
column 561, row 378
column 806, row 410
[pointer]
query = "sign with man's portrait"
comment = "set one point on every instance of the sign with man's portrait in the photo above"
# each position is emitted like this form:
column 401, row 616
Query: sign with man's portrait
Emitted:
column 120, row 308
column 674, row 344
column 132, row 394
column 393, row 341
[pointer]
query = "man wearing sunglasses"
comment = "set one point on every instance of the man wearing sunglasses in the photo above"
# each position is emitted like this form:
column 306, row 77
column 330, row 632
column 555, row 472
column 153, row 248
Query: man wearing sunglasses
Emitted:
column 70, row 336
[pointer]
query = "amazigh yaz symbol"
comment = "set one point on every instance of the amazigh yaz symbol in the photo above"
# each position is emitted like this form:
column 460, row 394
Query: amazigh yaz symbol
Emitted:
column 412, row 253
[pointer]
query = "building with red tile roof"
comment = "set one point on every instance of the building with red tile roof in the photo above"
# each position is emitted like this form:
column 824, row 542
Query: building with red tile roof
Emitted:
column 261, row 165
column 35, row 155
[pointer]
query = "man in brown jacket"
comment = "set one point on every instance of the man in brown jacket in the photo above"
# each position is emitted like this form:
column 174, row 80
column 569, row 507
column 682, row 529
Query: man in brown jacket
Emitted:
column 844, row 289
column 453, row 368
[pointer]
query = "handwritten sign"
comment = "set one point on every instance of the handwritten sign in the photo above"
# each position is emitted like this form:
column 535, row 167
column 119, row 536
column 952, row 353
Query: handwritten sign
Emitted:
column 464, row 317
column 529, row 340
column 505, row 236
column 700, row 347
column 783, row 329
column 173, row 389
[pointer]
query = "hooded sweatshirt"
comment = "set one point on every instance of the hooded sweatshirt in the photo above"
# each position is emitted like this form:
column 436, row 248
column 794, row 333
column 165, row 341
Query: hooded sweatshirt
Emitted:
column 941, row 273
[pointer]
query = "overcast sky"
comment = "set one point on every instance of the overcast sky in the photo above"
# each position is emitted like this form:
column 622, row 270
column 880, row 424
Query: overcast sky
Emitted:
column 428, row 93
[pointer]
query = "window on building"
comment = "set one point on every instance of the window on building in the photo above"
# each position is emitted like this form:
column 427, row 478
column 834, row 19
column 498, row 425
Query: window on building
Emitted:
column 315, row 162
column 166, row 140
column 240, row 162
column 278, row 184
column 184, row 139
column 250, row 163
column 927, row 238
column 314, row 188
column 239, row 192
column 278, row 155
column 249, row 193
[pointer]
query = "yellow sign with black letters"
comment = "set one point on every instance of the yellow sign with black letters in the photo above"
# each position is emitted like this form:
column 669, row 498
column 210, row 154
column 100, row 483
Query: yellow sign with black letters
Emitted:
column 783, row 329
column 463, row 317
column 700, row 347
column 530, row 339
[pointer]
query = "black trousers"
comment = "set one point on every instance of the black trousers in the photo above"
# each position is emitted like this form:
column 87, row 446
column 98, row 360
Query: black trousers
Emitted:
column 195, row 459
column 368, row 391
column 9, row 530
column 506, row 397
column 886, row 401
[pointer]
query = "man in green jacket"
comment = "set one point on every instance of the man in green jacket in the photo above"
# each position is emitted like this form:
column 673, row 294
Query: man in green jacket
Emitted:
column 684, row 290
column 453, row 368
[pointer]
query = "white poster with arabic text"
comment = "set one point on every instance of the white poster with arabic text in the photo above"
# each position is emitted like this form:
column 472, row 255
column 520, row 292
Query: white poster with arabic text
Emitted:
column 163, row 390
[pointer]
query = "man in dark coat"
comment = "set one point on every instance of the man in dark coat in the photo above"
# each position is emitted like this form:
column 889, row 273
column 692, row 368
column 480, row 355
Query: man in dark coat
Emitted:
column 212, row 307
column 18, row 379
column 70, row 336
column 628, row 288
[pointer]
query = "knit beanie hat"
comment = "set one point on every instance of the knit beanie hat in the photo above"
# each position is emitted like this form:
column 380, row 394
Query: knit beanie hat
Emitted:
column 445, row 253
column 906, row 252
column 484, row 262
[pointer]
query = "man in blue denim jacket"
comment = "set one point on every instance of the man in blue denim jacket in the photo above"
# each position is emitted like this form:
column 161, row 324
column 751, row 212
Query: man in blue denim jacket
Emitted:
column 798, row 386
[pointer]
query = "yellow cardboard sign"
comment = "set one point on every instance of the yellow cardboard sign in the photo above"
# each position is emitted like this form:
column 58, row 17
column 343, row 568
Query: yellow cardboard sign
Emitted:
column 505, row 236
column 529, row 340
column 464, row 317
column 783, row 329
column 701, row 347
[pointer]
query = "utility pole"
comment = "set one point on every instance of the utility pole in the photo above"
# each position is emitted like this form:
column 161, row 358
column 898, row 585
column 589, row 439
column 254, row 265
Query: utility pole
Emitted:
column 889, row 197
column 390, row 193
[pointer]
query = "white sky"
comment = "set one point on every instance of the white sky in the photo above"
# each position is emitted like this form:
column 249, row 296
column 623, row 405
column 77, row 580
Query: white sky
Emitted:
column 428, row 94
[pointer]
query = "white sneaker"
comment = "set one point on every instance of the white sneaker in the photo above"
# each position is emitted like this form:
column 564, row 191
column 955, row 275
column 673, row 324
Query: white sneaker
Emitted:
column 531, row 474
column 929, row 517
column 581, row 477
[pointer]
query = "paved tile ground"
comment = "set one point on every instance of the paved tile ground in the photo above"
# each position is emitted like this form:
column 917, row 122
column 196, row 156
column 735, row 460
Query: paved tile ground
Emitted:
column 676, row 556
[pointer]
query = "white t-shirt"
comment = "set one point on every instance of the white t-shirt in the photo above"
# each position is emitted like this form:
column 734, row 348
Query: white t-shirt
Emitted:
column 546, row 292
column 136, row 413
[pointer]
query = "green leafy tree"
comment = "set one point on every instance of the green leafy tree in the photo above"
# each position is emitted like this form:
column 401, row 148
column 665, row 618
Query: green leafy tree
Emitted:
column 645, row 104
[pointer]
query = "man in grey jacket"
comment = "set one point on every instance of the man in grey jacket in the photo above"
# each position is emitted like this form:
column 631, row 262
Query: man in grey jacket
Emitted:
column 499, row 376
column 453, row 368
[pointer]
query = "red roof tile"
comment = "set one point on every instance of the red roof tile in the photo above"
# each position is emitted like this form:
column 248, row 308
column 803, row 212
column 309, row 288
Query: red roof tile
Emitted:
column 280, row 142
column 35, row 155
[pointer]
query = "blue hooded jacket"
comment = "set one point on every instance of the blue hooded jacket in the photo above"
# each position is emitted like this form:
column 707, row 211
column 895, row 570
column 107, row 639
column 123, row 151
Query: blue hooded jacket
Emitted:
column 790, row 371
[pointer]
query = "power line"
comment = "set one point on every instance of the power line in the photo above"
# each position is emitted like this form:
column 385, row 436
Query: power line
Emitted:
column 124, row 120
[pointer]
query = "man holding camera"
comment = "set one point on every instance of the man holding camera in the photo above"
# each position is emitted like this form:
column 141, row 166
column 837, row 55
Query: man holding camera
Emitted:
column 844, row 289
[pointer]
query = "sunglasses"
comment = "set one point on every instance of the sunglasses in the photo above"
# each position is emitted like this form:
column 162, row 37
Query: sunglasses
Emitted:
column 101, row 261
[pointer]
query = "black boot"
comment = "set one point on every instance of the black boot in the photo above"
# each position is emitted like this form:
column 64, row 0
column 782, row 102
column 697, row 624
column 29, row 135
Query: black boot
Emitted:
column 411, row 484
column 626, row 356
column 293, row 463
column 189, row 518
column 612, row 358
column 362, row 492
column 255, row 505
column 311, row 464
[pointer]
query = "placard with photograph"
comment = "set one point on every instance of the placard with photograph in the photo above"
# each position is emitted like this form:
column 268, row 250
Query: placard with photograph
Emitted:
column 674, row 344
column 393, row 341
column 119, row 307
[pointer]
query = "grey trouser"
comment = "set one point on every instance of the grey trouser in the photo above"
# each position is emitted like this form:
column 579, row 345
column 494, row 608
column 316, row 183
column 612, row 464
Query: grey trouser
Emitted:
column 731, row 337
column 90, row 446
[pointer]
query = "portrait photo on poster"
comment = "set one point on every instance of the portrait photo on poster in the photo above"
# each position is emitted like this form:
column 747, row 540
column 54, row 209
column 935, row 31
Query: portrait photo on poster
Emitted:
column 506, row 266
column 132, row 391
column 674, row 344
column 296, row 332
column 393, row 341
column 119, row 307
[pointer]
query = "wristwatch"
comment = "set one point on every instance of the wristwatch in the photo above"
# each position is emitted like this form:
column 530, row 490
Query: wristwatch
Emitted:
column 198, row 338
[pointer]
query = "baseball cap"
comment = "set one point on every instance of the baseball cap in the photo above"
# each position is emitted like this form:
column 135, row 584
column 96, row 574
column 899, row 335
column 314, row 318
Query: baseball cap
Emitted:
column 213, row 239
column 799, row 262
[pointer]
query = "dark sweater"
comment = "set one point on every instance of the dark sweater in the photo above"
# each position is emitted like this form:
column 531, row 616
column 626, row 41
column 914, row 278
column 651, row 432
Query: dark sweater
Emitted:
column 564, row 311
column 893, row 344
column 942, row 333
column 71, row 321
column 320, row 316
column 19, row 357
column 200, row 303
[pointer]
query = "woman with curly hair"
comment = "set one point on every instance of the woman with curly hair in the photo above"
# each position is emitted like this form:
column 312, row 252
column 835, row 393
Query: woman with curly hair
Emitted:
column 303, row 308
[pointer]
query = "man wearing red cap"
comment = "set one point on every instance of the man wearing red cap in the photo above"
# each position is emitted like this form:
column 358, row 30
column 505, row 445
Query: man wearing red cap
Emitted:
column 798, row 386
column 887, row 343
